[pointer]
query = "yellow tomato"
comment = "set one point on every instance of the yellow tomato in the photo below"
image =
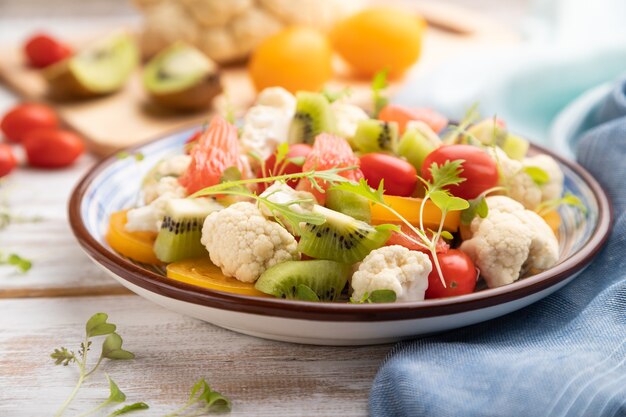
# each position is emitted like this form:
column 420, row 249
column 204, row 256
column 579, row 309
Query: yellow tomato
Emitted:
column 554, row 220
column 298, row 58
column 137, row 246
column 379, row 38
column 203, row 273
column 409, row 208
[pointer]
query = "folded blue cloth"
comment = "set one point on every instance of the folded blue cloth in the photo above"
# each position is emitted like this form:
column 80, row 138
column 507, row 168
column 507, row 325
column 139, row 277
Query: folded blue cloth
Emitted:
column 564, row 356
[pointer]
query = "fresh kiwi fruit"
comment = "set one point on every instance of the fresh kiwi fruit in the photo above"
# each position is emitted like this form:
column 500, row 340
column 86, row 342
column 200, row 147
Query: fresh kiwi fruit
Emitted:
column 313, row 116
column 515, row 147
column 102, row 67
column 375, row 136
column 296, row 279
column 414, row 147
column 181, row 77
column 341, row 238
column 181, row 229
column 349, row 204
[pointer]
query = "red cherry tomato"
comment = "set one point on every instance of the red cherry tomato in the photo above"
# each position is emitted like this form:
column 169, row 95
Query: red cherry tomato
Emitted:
column 400, row 176
column 479, row 169
column 402, row 115
column 43, row 50
column 52, row 148
column 7, row 159
column 298, row 150
column 25, row 118
column 402, row 240
column 458, row 272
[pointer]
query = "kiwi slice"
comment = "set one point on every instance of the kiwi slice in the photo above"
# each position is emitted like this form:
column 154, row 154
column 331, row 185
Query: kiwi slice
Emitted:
column 313, row 116
column 181, row 77
column 349, row 204
column 181, row 229
column 341, row 238
column 315, row 280
column 515, row 147
column 98, row 69
column 414, row 147
column 375, row 136
column 487, row 132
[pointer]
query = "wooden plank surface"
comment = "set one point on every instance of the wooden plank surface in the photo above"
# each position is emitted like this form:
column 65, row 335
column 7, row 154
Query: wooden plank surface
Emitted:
column 262, row 378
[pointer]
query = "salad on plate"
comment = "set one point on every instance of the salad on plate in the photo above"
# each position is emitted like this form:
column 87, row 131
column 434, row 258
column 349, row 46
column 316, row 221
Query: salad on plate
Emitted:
column 311, row 198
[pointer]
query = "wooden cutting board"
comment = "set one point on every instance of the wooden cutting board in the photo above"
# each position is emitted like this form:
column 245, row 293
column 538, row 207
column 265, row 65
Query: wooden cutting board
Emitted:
column 127, row 117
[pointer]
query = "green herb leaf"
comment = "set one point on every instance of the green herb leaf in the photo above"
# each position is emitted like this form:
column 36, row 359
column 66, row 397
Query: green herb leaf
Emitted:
column 297, row 160
column 23, row 265
column 363, row 189
column 379, row 84
column 97, row 325
column 230, row 174
column 129, row 409
column 538, row 175
column 333, row 96
column 446, row 174
column 447, row 202
column 200, row 387
column 217, row 402
column 568, row 199
column 471, row 116
column 112, row 348
column 116, row 394
column 305, row 293
column 447, row 235
column 62, row 356
column 281, row 153
column 477, row 207
column 382, row 296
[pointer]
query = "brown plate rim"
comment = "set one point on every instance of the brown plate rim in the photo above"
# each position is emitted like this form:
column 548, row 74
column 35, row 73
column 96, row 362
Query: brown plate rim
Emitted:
column 339, row 312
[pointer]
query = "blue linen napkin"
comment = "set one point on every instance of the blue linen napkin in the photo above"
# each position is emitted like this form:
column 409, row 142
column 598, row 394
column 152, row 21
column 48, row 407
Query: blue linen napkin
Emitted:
column 564, row 356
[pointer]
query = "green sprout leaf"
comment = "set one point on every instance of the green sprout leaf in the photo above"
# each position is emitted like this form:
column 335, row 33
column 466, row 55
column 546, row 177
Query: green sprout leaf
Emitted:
column 97, row 325
column 477, row 207
column 115, row 395
column 382, row 296
column 63, row 356
column 446, row 174
column 216, row 402
column 112, row 348
column 568, row 199
column 447, row 235
column 305, row 293
column 333, row 96
column 231, row 174
column 447, row 202
column 379, row 84
column 538, row 175
column 21, row 264
column 363, row 189
column 281, row 153
column 129, row 409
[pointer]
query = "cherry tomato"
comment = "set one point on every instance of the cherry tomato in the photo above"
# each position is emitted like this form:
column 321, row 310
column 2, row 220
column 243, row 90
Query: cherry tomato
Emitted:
column 479, row 169
column 458, row 272
column 399, row 239
column 43, row 50
column 298, row 150
column 25, row 118
column 402, row 115
column 7, row 159
column 52, row 148
column 400, row 176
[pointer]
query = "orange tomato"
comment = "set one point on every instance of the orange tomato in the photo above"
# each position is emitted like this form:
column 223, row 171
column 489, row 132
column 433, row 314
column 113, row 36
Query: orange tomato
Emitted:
column 409, row 208
column 298, row 58
column 134, row 245
column 554, row 220
column 379, row 38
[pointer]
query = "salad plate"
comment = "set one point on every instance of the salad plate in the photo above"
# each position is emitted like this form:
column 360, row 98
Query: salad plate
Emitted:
column 114, row 185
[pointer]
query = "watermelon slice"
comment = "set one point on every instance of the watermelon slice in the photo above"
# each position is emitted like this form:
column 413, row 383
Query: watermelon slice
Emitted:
column 329, row 151
column 216, row 150
column 402, row 115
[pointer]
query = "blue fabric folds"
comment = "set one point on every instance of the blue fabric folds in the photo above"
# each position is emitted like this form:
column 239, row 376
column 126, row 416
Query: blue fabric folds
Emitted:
column 564, row 356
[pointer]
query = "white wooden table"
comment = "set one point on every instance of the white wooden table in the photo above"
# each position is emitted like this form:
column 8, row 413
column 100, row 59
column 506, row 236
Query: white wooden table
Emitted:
column 47, row 307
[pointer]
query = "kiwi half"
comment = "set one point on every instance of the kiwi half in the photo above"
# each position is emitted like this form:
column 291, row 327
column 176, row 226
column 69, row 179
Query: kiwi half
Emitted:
column 341, row 238
column 350, row 204
column 98, row 69
column 181, row 77
column 375, row 136
column 313, row 116
column 326, row 279
column 414, row 147
column 181, row 229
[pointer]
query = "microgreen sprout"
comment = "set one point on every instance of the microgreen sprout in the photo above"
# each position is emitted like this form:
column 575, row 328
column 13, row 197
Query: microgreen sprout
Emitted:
column 202, row 400
column 376, row 296
column 333, row 96
column 379, row 84
column 459, row 131
column 568, row 199
column 23, row 265
column 97, row 325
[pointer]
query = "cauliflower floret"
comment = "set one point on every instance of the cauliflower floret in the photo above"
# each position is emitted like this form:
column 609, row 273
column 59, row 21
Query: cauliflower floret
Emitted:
column 347, row 117
column 244, row 244
column 427, row 132
column 166, row 171
column 148, row 218
column 520, row 186
column 266, row 124
column 395, row 268
column 508, row 241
